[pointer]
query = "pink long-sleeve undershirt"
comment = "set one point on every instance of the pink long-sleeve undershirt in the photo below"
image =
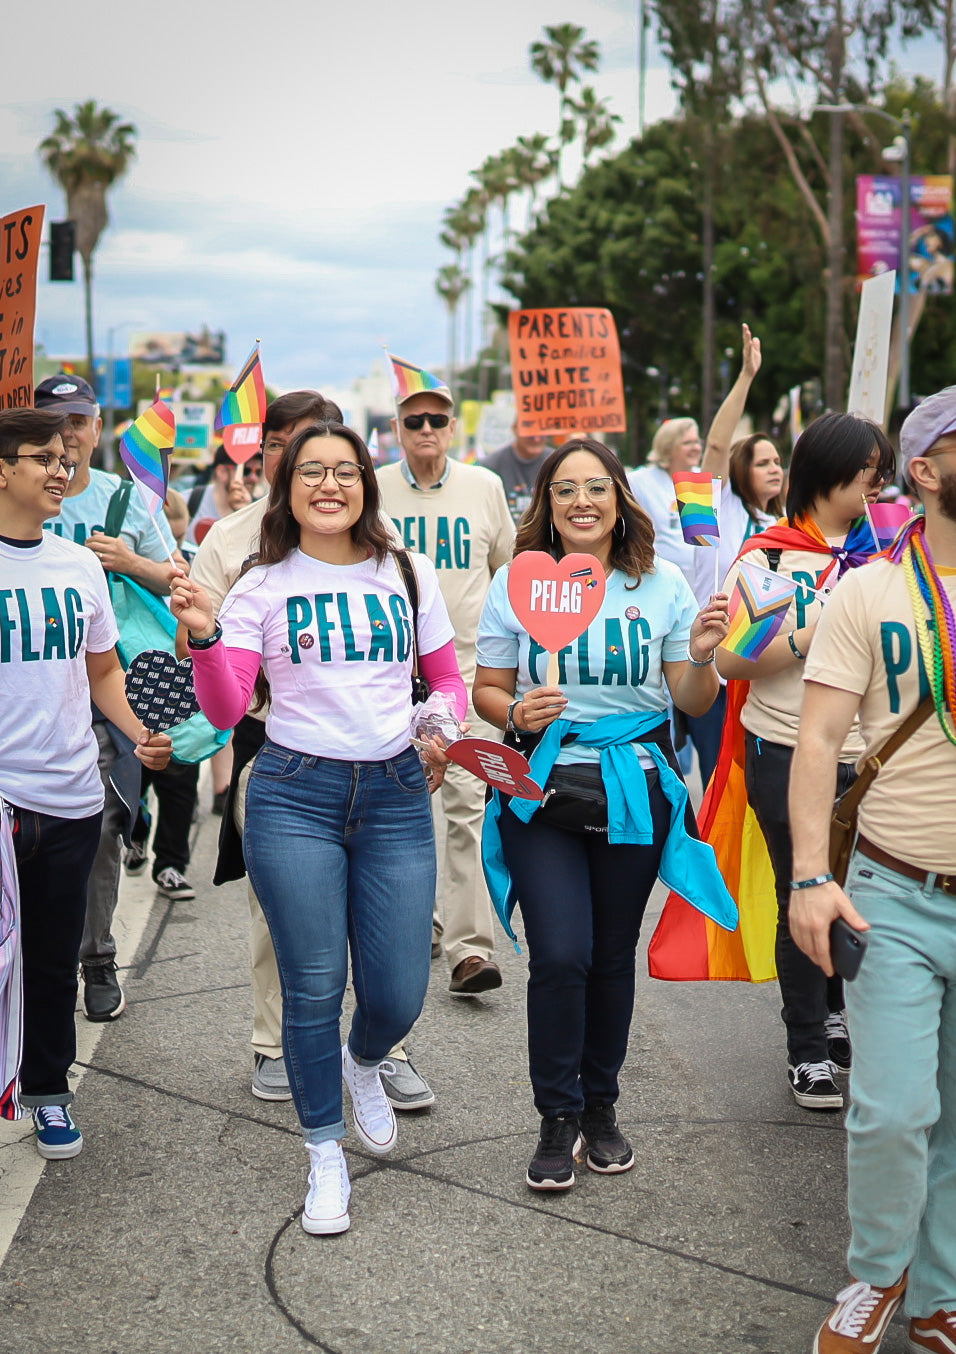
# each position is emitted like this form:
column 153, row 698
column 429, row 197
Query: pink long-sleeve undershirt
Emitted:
column 224, row 679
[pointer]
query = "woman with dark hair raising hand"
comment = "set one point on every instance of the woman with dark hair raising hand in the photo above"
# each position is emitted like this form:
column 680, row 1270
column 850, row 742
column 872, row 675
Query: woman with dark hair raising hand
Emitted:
column 338, row 840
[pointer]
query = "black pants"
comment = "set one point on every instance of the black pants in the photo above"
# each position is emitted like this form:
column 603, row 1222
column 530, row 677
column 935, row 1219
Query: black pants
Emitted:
column 582, row 901
column 176, row 788
column 54, row 859
column 808, row 994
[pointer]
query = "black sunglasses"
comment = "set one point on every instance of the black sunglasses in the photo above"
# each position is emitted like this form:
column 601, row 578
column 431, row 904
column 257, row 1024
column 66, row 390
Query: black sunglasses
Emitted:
column 415, row 422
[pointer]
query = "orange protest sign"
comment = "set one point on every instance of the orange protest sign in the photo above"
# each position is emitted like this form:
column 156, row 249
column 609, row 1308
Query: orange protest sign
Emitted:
column 566, row 371
column 19, row 256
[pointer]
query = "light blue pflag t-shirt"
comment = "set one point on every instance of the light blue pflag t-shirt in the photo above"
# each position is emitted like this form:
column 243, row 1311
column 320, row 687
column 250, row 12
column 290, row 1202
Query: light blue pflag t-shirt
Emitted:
column 613, row 678
column 84, row 513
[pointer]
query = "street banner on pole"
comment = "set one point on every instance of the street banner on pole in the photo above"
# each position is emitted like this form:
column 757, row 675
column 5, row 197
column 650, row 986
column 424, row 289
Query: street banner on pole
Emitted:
column 871, row 352
column 566, row 371
column 930, row 229
column 19, row 256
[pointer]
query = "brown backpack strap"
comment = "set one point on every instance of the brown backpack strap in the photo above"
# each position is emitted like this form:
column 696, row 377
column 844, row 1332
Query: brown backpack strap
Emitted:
column 849, row 801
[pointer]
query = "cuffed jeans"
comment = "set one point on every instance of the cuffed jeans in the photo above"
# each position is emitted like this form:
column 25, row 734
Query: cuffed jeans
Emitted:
column 808, row 994
column 342, row 858
column 582, row 901
column 54, row 857
column 901, row 1127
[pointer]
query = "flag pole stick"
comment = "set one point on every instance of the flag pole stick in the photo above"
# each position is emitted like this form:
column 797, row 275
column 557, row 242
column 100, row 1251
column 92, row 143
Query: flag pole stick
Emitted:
column 716, row 496
column 169, row 553
column 869, row 522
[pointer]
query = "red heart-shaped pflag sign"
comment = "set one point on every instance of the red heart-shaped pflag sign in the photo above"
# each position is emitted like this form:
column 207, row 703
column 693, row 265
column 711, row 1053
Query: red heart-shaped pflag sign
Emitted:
column 555, row 600
column 242, row 441
column 503, row 768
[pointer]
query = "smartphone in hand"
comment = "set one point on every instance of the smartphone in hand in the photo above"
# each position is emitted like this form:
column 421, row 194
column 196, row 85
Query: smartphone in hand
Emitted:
column 847, row 948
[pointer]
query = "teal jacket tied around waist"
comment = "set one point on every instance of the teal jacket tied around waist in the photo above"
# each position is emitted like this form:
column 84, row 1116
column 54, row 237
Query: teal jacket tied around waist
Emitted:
column 687, row 864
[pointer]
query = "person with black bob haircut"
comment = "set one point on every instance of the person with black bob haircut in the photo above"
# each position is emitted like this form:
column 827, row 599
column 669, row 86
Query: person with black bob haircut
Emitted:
column 582, row 876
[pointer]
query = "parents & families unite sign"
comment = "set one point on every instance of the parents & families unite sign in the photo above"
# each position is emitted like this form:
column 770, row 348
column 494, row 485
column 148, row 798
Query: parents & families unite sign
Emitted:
column 566, row 371
column 19, row 256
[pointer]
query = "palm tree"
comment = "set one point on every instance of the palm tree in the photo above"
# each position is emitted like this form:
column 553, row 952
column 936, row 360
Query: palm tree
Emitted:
column 560, row 61
column 451, row 284
column 86, row 154
column 464, row 224
column 596, row 119
column 535, row 160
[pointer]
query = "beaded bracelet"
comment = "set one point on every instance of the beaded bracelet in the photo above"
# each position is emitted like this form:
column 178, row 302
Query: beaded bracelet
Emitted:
column 695, row 663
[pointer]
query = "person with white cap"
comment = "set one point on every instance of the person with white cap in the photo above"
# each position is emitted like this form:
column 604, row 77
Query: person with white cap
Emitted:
column 458, row 516
column 885, row 648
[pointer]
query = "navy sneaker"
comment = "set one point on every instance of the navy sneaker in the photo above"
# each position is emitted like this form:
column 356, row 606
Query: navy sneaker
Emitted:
column 57, row 1135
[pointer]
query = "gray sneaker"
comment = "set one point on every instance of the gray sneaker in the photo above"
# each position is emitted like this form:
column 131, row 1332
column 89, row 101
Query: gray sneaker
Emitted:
column 269, row 1079
column 405, row 1088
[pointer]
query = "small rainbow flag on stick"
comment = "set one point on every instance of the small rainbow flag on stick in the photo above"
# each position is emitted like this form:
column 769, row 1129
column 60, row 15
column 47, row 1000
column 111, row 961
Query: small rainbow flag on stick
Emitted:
column 410, row 380
column 696, row 503
column 758, row 607
column 144, row 450
column 245, row 401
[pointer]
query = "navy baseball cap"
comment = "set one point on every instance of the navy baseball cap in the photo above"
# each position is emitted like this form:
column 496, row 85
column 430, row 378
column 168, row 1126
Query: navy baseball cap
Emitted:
column 66, row 394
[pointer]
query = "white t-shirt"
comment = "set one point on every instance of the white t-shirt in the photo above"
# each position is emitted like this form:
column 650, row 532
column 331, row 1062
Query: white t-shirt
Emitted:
column 654, row 490
column 614, row 667
column 84, row 513
column 54, row 607
column 336, row 650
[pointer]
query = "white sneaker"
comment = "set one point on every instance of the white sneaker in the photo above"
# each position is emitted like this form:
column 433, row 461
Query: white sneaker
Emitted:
column 371, row 1113
column 326, row 1208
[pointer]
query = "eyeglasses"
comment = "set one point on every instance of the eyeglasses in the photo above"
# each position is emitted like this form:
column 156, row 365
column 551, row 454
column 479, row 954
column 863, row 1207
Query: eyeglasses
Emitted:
column 313, row 473
column 597, row 490
column 50, row 461
column 415, row 422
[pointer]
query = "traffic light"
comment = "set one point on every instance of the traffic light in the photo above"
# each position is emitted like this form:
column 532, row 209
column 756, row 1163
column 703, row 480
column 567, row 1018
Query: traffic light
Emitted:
column 62, row 245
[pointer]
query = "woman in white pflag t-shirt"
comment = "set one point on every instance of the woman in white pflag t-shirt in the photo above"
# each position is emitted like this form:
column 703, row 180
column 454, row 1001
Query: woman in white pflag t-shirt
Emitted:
column 338, row 841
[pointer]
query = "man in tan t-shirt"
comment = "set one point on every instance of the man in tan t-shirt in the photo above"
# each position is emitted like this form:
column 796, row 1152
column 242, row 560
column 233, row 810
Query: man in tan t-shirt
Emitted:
column 901, row 891
column 458, row 516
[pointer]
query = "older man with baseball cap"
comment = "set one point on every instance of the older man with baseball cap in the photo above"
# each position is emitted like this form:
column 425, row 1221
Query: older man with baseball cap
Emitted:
column 885, row 648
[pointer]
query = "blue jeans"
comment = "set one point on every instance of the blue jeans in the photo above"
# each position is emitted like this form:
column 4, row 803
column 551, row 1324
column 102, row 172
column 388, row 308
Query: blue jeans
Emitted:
column 901, row 1127
column 341, row 856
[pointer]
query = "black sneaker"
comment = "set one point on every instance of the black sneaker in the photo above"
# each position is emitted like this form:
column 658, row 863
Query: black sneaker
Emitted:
column 608, row 1150
column 103, row 997
column 838, row 1041
column 813, row 1086
column 552, row 1166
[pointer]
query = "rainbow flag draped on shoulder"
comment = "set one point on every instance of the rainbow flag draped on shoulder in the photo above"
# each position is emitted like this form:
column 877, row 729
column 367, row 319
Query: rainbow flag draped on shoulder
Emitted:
column 686, row 947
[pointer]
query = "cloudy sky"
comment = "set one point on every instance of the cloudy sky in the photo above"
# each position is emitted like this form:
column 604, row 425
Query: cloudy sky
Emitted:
column 294, row 160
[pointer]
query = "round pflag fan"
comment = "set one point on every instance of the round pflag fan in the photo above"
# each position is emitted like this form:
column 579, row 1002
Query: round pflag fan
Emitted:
column 160, row 690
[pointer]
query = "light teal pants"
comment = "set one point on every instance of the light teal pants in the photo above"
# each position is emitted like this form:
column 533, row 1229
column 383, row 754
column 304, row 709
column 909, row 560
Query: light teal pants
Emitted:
column 901, row 1155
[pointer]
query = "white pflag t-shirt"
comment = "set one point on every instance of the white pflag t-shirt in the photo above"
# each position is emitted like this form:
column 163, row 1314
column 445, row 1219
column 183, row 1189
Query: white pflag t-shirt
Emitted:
column 335, row 643
column 54, row 607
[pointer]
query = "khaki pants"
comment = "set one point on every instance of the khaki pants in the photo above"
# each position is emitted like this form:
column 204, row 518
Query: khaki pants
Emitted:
column 266, row 991
column 468, row 915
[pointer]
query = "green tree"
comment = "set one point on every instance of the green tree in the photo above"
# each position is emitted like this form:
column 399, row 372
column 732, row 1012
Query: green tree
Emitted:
column 561, row 60
column 86, row 154
column 597, row 122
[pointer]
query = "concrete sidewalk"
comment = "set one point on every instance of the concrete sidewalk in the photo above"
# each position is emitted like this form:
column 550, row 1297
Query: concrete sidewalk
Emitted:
column 177, row 1226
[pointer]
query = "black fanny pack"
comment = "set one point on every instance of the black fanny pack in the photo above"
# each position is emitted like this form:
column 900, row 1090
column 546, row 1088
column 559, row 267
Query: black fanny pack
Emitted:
column 575, row 798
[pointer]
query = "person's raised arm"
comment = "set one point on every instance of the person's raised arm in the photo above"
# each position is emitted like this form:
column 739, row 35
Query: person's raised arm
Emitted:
column 825, row 720
column 716, row 461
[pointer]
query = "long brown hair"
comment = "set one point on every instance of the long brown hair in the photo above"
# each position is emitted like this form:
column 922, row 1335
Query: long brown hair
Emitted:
column 280, row 531
column 741, row 480
column 632, row 548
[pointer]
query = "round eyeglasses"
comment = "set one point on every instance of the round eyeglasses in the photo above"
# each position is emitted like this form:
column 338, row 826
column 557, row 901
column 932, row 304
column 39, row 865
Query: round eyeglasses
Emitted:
column 597, row 490
column 50, row 460
column 313, row 473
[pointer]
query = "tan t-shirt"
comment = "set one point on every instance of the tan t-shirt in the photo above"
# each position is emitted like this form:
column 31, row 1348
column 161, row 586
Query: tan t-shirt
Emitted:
column 772, row 708
column 867, row 644
column 465, row 529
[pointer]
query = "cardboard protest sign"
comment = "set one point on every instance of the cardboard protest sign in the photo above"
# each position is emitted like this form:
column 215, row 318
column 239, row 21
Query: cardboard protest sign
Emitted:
column 242, row 440
column 555, row 600
column 19, row 256
column 566, row 371
column 871, row 352
column 501, row 767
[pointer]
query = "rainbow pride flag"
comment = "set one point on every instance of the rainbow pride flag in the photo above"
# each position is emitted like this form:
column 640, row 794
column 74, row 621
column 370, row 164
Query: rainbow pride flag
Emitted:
column 144, row 449
column 408, row 379
column 758, row 606
column 696, row 492
column 245, row 401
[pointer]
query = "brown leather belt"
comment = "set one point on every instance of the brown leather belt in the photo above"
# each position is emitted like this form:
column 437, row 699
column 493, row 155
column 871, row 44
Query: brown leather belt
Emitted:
column 946, row 882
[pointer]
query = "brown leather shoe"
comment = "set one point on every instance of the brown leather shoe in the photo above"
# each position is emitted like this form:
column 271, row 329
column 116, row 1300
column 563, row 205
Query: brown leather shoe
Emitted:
column 474, row 975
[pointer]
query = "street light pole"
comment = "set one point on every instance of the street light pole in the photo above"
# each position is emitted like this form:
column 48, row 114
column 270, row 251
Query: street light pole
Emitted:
column 109, row 451
column 900, row 151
